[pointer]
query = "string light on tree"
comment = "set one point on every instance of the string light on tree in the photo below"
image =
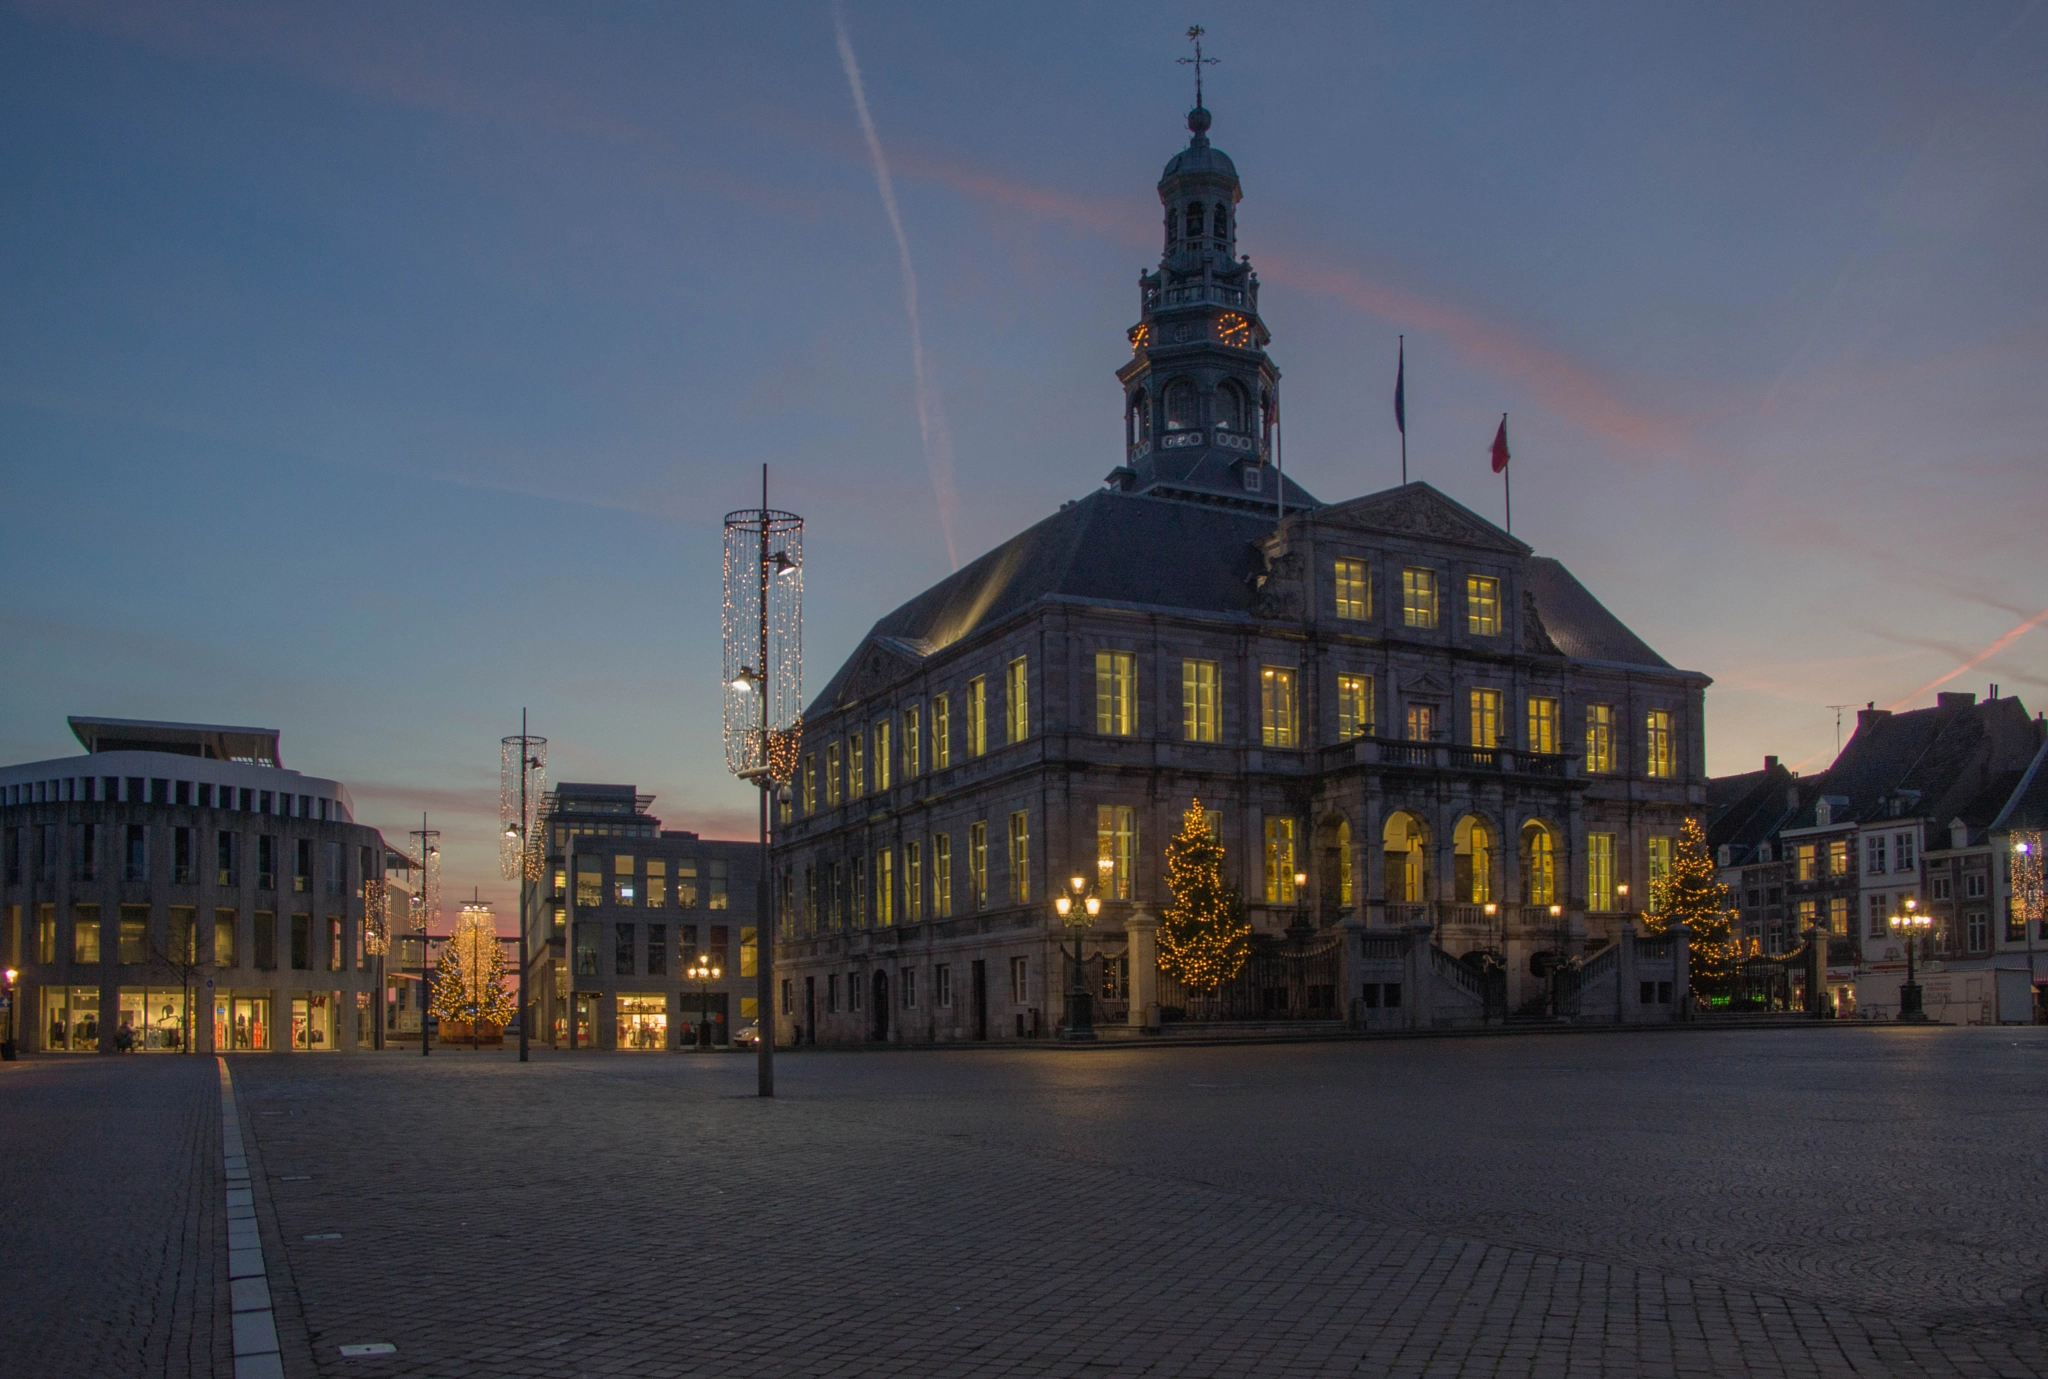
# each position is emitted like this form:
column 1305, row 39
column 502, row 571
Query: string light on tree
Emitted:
column 1693, row 896
column 469, row 980
column 1204, row 938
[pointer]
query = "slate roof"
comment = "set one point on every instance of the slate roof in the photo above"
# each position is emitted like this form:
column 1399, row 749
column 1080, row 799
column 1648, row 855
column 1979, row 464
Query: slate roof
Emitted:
column 1211, row 475
column 1747, row 809
column 1949, row 754
column 2028, row 805
column 1134, row 549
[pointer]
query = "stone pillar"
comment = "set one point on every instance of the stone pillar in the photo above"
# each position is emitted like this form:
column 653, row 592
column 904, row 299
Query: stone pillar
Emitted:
column 1817, row 973
column 1681, row 972
column 1350, row 957
column 1143, row 932
column 1627, row 986
column 1419, row 978
column 281, row 1017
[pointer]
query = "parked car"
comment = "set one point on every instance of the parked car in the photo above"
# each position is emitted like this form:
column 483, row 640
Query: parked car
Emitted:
column 747, row 1036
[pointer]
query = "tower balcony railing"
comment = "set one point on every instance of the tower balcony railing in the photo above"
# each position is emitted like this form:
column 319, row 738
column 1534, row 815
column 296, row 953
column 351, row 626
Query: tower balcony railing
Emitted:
column 1193, row 293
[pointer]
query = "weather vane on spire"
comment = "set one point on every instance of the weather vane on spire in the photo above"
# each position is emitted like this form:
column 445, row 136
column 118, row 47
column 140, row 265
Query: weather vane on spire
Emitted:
column 1198, row 62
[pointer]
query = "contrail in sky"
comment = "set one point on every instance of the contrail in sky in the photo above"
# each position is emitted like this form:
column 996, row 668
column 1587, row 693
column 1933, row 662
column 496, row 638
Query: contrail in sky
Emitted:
column 931, row 417
column 1981, row 657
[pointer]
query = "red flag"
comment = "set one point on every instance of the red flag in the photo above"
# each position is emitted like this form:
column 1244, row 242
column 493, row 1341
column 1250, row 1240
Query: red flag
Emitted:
column 1500, row 445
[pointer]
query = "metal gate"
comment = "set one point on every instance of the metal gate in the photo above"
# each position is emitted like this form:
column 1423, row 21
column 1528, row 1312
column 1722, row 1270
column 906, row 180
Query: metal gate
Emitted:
column 1286, row 978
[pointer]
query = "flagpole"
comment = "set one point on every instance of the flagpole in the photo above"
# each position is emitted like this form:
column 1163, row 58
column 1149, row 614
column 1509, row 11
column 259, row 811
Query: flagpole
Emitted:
column 1507, row 487
column 1401, row 402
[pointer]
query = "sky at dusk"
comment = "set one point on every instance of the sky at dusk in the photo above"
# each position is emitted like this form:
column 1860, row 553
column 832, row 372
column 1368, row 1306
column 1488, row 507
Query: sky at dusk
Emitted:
column 371, row 371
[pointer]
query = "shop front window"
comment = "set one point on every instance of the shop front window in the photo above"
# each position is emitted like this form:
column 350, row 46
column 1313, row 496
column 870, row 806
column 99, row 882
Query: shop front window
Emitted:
column 73, row 1018
column 241, row 1024
column 643, row 1023
column 152, row 1021
column 313, row 1023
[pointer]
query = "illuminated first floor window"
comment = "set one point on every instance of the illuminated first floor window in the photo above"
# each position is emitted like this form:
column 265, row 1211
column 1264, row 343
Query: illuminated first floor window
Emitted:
column 1020, row 856
column 1418, row 597
column 885, row 886
column 1116, row 836
column 1355, row 708
column 1279, row 860
column 1542, row 724
column 1838, row 915
column 942, row 733
column 913, row 881
column 942, row 874
column 1018, row 705
column 1486, row 718
column 1600, row 871
column 977, row 862
column 1539, row 865
column 1482, row 606
column 1354, row 589
column 1421, row 722
column 1659, row 758
column 1277, row 707
column 1599, row 737
column 1116, row 693
column 1199, row 700
column 1660, row 871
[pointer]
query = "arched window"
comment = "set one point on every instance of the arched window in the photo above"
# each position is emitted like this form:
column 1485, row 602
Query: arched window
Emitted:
column 1141, row 417
column 1194, row 220
column 1234, row 408
column 1180, row 406
column 1172, row 227
column 1403, row 840
column 1472, row 862
column 1219, row 221
column 1539, row 864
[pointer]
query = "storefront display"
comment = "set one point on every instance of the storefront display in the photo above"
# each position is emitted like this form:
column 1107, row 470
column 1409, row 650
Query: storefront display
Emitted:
column 643, row 1023
column 241, row 1024
column 71, row 1019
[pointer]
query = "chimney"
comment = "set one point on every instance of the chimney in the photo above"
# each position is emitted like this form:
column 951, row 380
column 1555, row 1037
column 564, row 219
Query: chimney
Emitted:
column 1770, row 763
column 1870, row 713
column 1962, row 700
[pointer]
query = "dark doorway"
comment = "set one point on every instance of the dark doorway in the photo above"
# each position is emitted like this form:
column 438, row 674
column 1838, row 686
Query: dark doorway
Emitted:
column 881, row 1012
column 810, row 1010
column 980, row 999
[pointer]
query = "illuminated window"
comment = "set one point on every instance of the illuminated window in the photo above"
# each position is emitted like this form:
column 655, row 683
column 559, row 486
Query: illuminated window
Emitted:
column 589, row 882
column 1421, row 723
column 913, row 881
column 1472, row 861
column 1660, row 870
column 858, row 888
column 810, row 783
column 657, row 882
column 1838, row 914
column 1020, row 856
column 942, row 733
column 832, row 774
column 1018, row 705
column 1806, row 862
column 977, row 716
column 623, row 892
column 1418, row 597
column 1599, row 737
column 750, row 951
column 1486, row 718
column 1116, row 693
column 1355, row 708
column 913, row 744
column 1354, row 589
column 1344, row 889
column 856, row 766
column 885, row 886
column 1539, row 865
column 1600, row 871
column 1838, row 857
column 1279, row 861
column 1808, row 914
column 977, row 862
column 1482, row 605
column 1657, row 759
column 884, row 758
column 942, row 874
column 1277, row 710
column 686, row 882
column 714, row 884
column 1542, row 724
column 1198, row 701
column 1116, row 833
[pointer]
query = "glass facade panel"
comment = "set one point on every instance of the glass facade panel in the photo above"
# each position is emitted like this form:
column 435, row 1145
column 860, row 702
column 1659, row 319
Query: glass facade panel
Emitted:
column 643, row 1023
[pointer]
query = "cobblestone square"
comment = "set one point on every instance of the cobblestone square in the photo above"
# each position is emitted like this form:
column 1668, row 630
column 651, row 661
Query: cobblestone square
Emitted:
column 1827, row 1201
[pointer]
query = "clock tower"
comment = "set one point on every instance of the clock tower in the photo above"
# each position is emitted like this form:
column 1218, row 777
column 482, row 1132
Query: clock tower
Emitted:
column 1201, row 398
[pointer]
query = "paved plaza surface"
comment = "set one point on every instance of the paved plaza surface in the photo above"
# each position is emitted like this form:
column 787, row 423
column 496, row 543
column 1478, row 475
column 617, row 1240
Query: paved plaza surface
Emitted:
column 1827, row 1201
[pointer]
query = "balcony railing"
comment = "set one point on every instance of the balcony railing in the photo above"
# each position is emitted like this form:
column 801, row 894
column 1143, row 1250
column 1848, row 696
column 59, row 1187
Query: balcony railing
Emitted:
column 1447, row 756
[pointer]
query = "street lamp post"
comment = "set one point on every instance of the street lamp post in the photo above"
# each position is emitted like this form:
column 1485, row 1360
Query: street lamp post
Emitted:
column 704, row 972
column 762, row 633
column 522, row 780
column 426, row 903
column 1077, row 911
column 7, row 1044
column 1911, row 922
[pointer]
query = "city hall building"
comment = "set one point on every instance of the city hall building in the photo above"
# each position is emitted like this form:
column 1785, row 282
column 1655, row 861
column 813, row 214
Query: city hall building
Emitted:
column 178, row 887
column 1437, row 729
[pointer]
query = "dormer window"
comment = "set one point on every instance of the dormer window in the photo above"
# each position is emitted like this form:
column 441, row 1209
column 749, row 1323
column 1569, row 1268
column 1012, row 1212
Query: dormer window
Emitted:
column 1254, row 479
column 1194, row 220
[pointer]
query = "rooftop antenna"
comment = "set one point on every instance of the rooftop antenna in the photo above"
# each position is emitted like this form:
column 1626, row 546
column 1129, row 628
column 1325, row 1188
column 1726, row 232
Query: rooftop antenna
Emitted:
column 1838, row 726
column 1198, row 62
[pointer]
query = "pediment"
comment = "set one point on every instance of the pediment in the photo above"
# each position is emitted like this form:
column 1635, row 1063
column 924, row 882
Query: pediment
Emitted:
column 879, row 664
column 1426, row 686
column 1418, row 510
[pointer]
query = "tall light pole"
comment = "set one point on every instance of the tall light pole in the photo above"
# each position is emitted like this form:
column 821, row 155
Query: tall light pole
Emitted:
column 522, row 781
column 426, row 903
column 704, row 972
column 762, row 633
column 1911, row 921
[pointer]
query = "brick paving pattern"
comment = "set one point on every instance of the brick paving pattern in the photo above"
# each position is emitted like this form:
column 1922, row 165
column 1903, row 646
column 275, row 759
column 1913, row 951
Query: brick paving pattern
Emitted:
column 115, row 1239
column 1834, row 1201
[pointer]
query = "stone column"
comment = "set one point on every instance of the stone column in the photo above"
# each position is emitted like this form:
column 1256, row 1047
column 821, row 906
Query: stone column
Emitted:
column 1350, row 958
column 1627, row 988
column 1418, row 979
column 1681, row 972
column 1143, row 932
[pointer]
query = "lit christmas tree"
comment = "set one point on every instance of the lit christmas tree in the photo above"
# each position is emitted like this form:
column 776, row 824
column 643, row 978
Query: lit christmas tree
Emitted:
column 1204, row 938
column 1692, row 895
column 469, row 979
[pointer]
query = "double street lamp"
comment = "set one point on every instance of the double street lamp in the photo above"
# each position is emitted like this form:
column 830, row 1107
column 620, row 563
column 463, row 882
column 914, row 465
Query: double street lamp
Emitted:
column 1911, row 922
column 1078, row 911
column 704, row 972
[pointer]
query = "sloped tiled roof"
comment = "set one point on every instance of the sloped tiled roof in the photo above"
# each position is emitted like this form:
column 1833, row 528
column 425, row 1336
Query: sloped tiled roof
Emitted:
column 1579, row 623
column 1947, row 754
column 2028, row 805
column 1746, row 809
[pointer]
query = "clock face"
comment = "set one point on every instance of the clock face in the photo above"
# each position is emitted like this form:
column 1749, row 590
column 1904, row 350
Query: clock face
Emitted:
column 1235, row 330
column 1141, row 336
